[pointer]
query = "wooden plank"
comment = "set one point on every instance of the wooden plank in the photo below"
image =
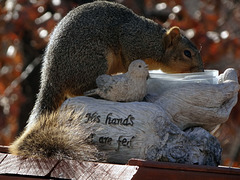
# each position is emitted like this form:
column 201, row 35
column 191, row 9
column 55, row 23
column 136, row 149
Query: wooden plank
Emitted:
column 122, row 172
column 90, row 170
column 66, row 169
column 17, row 165
column 111, row 171
column 3, row 149
column 14, row 167
column 2, row 157
column 99, row 170
column 177, row 166
column 155, row 174
column 154, row 170
column 16, row 177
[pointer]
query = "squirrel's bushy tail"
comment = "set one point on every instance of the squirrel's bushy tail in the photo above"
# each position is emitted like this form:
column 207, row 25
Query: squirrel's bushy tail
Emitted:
column 51, row 139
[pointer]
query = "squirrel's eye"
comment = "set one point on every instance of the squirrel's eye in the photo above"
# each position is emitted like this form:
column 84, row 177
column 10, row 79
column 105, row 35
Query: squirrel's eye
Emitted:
column 139, row 66
column 187, row 53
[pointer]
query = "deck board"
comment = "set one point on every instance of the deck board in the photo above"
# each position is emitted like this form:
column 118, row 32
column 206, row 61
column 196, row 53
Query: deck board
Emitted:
column 91, row 170
column 15, row 168
column 2, row 157
column 12, row 164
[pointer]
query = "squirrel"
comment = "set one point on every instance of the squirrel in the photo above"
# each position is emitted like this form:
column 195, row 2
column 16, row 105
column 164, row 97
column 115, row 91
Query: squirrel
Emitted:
column 94, row 39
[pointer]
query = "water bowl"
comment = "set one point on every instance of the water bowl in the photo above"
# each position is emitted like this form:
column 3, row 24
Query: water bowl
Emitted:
column 160, row 81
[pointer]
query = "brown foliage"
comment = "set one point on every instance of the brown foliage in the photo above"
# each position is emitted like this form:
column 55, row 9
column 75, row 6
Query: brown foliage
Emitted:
column 25, row 26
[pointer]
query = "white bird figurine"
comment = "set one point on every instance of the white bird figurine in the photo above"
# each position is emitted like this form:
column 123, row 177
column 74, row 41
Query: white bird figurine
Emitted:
column 127, row 87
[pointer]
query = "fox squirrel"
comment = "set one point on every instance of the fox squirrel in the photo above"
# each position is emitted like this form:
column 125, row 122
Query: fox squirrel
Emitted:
column 102, row 38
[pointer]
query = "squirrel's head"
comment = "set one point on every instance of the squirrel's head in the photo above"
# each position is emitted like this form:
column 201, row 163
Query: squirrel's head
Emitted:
column 180, row 56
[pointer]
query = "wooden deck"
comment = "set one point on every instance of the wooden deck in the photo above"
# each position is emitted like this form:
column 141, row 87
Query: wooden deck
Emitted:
column 15, row 167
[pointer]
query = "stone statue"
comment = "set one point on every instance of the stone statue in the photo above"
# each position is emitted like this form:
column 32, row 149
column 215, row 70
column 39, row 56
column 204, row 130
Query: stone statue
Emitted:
column 171, row 127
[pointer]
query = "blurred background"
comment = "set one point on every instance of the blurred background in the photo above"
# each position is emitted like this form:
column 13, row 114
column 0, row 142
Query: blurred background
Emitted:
column 25, row 27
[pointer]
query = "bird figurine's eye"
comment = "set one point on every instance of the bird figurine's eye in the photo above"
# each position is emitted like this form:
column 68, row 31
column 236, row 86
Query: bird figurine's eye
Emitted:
column 187, row 53
column 139, row 66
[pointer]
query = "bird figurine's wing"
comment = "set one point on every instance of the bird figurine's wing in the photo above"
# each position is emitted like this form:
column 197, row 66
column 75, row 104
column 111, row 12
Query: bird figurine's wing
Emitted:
column 103, row 80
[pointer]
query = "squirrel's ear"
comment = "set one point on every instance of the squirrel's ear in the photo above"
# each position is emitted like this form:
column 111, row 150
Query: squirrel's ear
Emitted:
column 171, row 36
